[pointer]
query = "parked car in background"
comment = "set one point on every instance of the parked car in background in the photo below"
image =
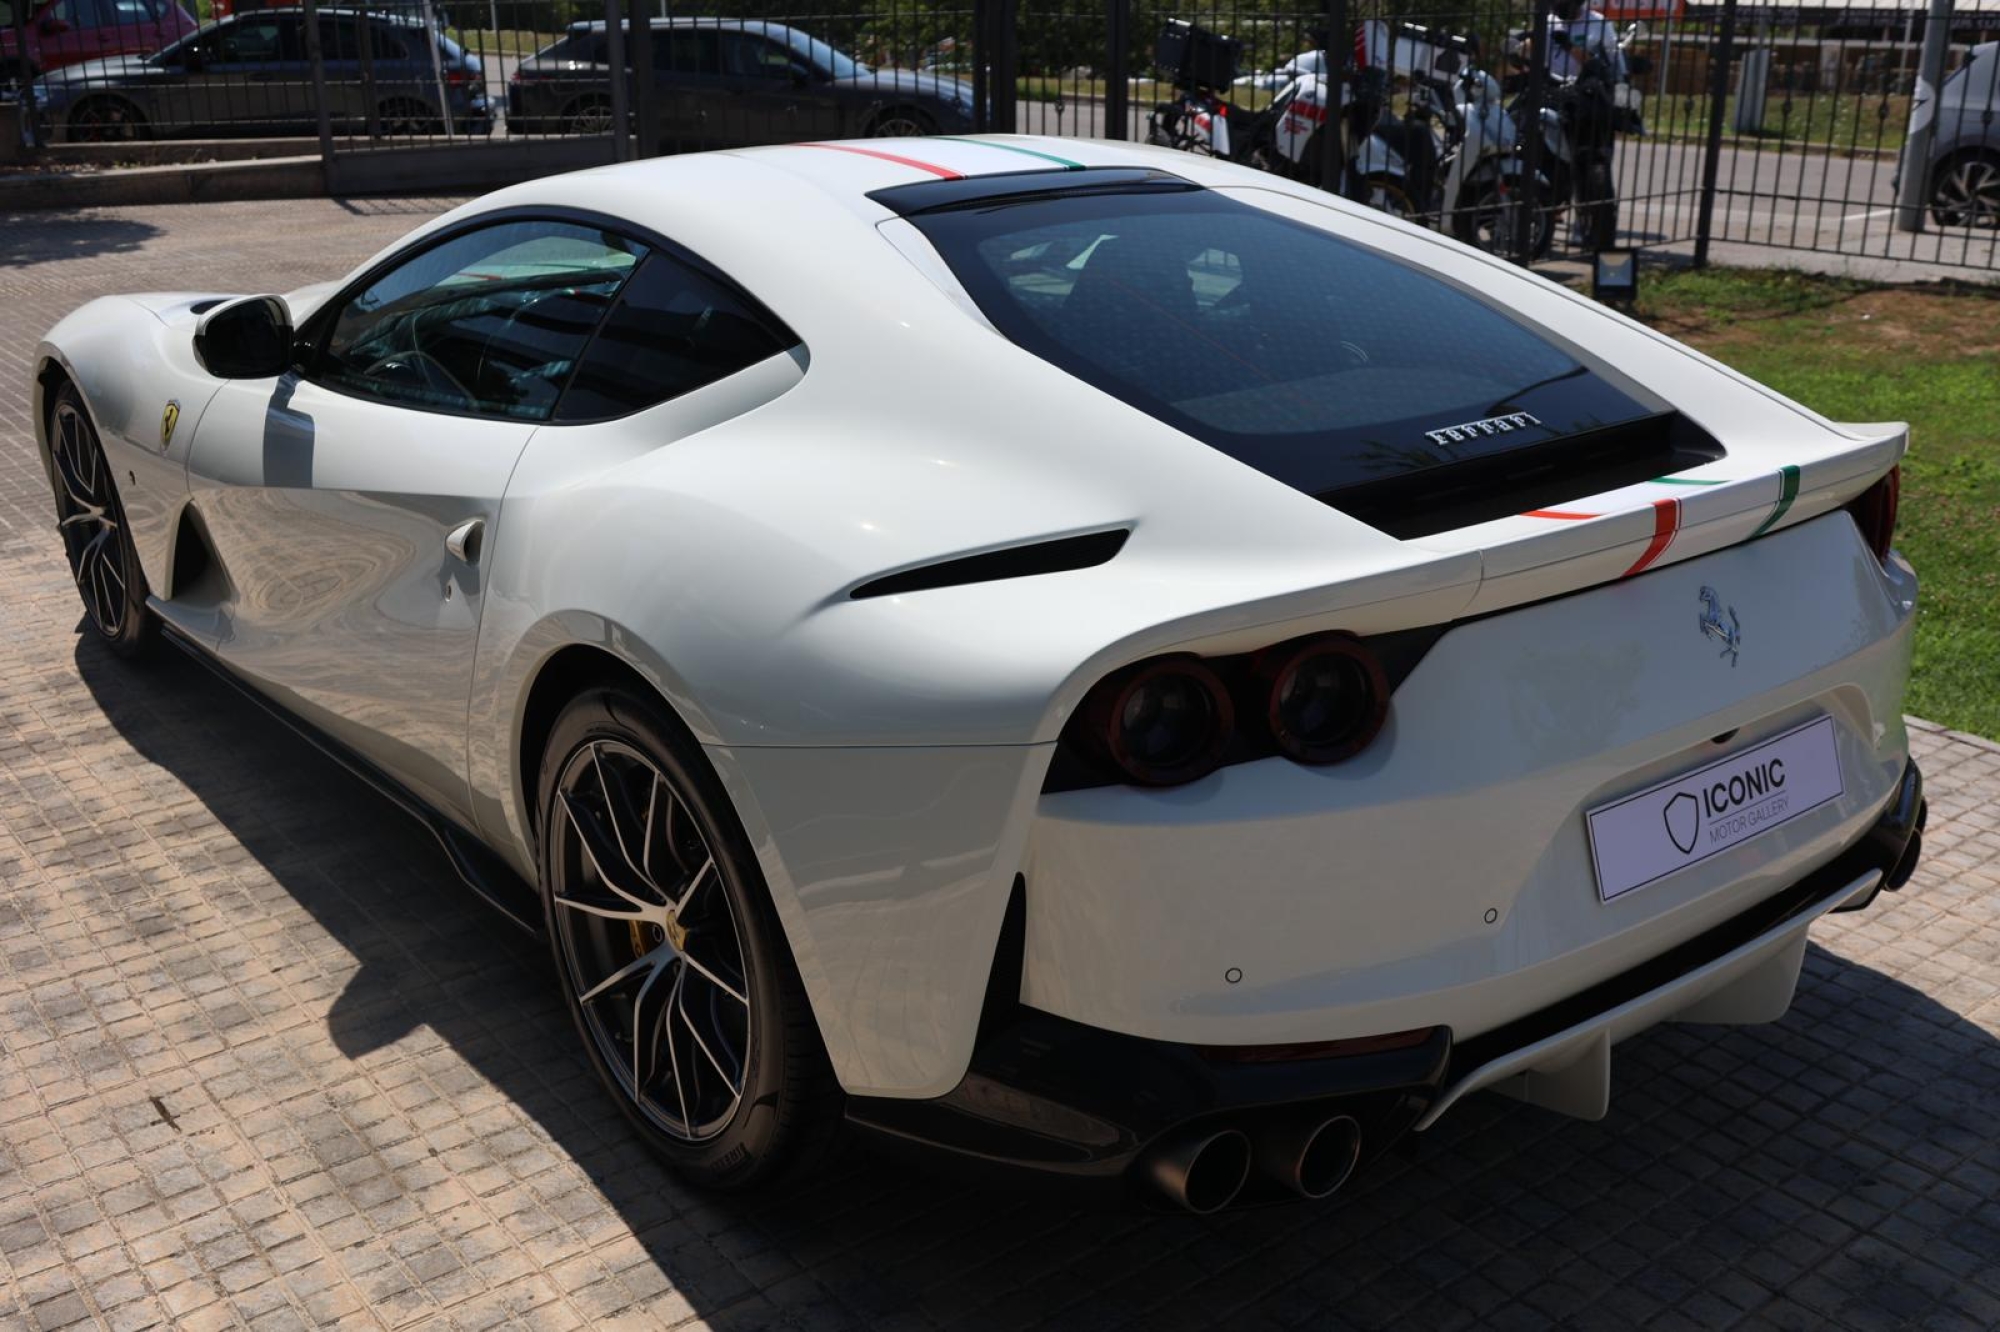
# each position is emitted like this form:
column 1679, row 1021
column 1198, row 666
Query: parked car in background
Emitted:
column 249, row 73
column 725, row 83
column 1964, row 167
column 66, row 32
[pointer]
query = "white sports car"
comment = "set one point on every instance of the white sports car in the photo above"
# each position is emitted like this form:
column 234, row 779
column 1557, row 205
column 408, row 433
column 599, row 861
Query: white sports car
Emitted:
column 1087, row 660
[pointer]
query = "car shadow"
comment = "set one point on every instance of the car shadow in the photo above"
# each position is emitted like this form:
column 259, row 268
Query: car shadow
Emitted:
column 45, row 237
column 1840, row 1162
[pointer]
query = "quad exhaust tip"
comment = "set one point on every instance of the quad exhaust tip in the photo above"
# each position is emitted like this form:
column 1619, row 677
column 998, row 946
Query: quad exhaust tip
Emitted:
column 1312, row 1157
column 1202, row 1172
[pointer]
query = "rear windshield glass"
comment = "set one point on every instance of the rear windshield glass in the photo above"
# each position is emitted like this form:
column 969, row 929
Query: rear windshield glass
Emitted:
column 1322, row 363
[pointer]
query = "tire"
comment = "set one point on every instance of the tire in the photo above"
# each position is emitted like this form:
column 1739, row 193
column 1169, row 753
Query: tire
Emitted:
column 103, row 119
column 1488, row 222
column 739, row 1094
column 587, row 116
column 102, row 559
column 901, row 122
column 404, row 118
column 1965, row 190
column 1599, row 208
column 1385, row 194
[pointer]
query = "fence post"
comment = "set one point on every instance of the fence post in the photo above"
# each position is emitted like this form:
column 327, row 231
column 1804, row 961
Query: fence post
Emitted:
column 1118, row 69
column 982, row 85
column 1720, row 52
column 644, row 116
column 1912, row 184
column 1006, row 64
column 24, row 87
column 316, row 55
column 1338, row 50
column 1528, row 188
column 614, row 56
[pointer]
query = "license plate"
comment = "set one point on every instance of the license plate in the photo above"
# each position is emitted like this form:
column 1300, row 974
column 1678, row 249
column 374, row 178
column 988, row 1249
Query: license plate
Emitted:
column 1684, row 820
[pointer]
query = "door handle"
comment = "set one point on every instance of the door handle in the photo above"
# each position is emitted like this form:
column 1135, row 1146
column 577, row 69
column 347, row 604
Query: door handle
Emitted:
column 463, row 540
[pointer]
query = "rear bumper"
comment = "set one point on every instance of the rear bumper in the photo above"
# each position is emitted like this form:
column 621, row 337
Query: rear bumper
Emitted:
column 1052, row 1099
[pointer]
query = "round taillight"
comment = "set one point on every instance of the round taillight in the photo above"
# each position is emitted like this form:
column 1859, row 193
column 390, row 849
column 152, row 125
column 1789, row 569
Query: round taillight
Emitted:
column 1327, row 697
column 1162, row 722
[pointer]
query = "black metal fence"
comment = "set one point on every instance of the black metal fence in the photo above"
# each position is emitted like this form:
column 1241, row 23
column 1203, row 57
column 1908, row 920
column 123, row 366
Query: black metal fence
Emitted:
column 1532, row 127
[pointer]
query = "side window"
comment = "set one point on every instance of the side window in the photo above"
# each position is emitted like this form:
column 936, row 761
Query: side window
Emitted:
column 673, row 330
column 489, row 323
column 253, row 42
column 757, row 58
column 687, row 51
column 340, row 39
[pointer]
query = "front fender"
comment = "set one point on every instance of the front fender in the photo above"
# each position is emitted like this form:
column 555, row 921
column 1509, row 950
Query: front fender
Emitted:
column 129, row 364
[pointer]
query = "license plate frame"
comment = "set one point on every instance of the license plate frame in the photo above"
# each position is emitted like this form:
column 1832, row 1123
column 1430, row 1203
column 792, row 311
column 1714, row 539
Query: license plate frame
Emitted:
column 1649, row 835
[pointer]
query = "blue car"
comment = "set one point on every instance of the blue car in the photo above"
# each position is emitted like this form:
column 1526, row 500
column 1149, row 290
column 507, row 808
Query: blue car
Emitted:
column 250, row 74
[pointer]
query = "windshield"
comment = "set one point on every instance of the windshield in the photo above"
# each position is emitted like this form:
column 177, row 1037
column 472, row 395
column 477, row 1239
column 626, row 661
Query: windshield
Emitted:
column 1317, row 361
column 834, row 61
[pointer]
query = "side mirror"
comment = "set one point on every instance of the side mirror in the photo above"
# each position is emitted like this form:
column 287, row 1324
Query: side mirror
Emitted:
column 247, row 338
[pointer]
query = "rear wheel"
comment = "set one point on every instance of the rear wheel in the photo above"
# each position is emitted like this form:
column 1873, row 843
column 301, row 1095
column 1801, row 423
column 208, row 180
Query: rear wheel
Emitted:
column 1491, row 220
column 102, row 559
column 587, row 115
column 1599, row 208
column 671, row 957
column 1965, row 191
column 104, row 120
column 406, row 118
column 901, row 122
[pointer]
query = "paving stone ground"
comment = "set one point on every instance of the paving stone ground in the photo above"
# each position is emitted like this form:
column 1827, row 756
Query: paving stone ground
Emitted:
column 263, row 1062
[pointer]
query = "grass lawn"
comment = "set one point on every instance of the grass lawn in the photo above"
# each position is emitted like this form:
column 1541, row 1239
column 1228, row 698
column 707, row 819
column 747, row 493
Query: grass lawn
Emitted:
column 1859, row 353
column 1843, row 123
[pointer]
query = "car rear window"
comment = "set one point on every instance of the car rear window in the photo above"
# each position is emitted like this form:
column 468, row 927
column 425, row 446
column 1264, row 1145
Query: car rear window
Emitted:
column 1321, row 362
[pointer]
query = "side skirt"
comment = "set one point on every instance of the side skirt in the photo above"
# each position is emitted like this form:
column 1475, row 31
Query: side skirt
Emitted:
column 482, row 870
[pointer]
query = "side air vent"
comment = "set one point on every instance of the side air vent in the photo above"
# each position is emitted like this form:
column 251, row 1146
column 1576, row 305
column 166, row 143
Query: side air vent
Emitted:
column 1042, row 557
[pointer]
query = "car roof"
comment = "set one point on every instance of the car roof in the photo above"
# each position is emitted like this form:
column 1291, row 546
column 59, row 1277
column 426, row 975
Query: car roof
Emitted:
column 733, row 25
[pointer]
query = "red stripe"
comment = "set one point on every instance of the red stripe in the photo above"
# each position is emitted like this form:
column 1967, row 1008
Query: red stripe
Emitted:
column 1559, row 513
column 1666, row 522
column 886, row 157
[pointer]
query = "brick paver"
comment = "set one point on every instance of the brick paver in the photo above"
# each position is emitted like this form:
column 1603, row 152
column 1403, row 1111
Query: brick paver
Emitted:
column 263, row 1062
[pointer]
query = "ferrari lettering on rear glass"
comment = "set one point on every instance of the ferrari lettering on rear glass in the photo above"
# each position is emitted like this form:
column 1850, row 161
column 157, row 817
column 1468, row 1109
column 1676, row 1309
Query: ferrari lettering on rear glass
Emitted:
column 1471, row 430
column 1679, row 822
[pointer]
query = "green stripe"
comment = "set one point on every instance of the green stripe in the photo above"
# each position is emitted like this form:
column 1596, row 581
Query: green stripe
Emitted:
column 1788, row 490
column 1683, row 481
column 1062, row 162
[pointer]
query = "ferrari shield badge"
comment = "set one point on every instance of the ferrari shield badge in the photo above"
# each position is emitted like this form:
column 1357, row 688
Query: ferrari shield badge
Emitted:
column 169, row 418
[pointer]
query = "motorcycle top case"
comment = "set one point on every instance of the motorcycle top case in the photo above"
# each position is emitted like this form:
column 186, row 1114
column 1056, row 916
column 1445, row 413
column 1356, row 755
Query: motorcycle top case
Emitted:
column 1196, row 55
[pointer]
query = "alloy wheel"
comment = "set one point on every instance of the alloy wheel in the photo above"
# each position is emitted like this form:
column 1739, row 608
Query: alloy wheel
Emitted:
column 649, row 941
column 1968, row 194
column 899, row 125
column 91, row 522
column 104, row 120
column 589, row 118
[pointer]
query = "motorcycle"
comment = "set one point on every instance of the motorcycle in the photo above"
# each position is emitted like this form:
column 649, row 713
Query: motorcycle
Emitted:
column 1580, row 121
column 1200, row 119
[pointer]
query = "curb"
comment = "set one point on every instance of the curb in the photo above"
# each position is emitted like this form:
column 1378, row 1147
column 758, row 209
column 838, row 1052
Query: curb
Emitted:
column 269, row 178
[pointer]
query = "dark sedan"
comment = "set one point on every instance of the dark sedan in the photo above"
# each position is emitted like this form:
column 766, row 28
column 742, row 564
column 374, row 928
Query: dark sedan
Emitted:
column 250, row 74
column 723, row 83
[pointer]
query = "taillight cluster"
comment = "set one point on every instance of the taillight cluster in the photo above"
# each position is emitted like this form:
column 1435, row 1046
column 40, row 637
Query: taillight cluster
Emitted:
column 1172, row 719
column 1874, row 511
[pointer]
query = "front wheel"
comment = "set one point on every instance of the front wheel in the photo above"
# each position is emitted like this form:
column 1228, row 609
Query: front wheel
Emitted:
column 671, row 957
column 1965, row 192
column 102, row 559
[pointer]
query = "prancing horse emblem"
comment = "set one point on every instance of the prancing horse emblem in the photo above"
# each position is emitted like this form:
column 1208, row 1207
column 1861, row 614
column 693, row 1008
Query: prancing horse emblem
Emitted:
column 1731, row 635
column 169, row 418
